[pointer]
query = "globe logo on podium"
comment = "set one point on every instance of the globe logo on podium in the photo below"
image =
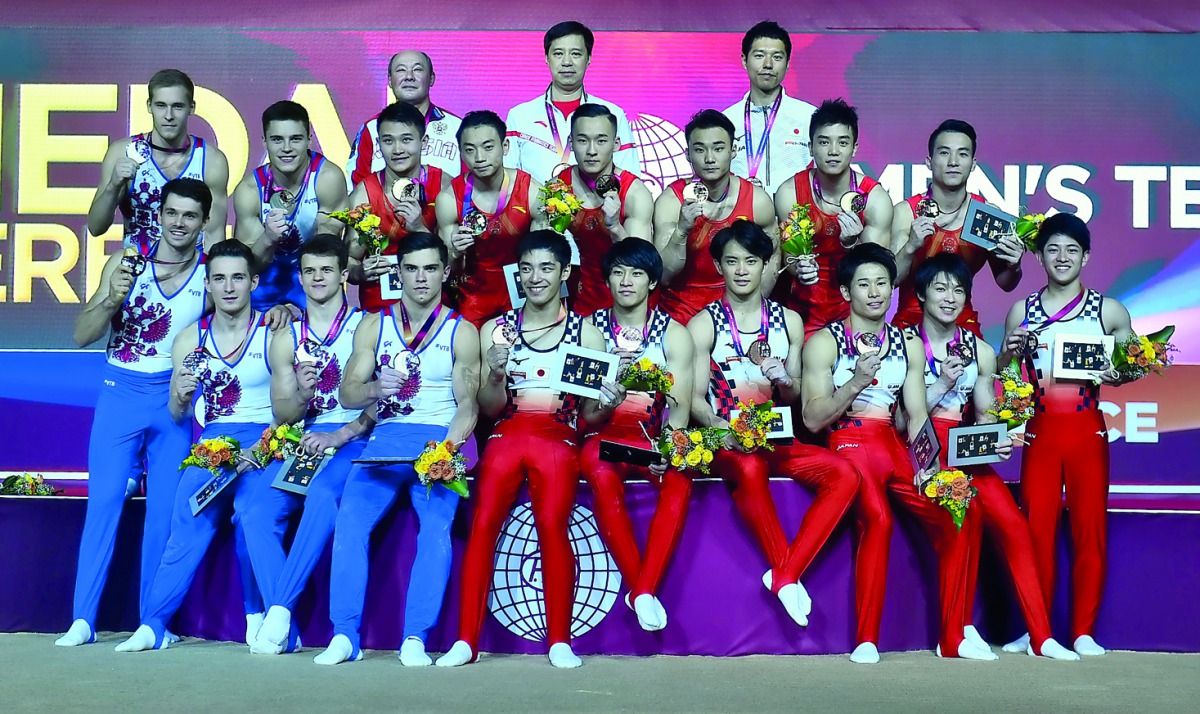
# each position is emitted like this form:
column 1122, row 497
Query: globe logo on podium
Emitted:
column 663, row 152
column 516, row 599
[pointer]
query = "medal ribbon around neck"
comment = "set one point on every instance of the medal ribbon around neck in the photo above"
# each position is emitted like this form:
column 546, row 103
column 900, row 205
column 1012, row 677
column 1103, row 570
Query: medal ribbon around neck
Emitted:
column 763, row 327
column 1066, row 310
column 929, row 347
column 272, row 188
column 333, row 328
column 209, row 336
column 754, row 155
column 501, row 199
column 552, row 122
column 415, row 341
column 614, row 329
column 816, row 186
column 852, row 338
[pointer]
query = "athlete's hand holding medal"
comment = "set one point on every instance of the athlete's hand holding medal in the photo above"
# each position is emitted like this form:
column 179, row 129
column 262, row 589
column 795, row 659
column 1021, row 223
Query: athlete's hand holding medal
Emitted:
column 695, row 195
column 924, row 222
column 124, row 276
column 137, row 152
column 867, row 346
column 504, row 336
column 1009, row 249
column 473, row 225
column 406, row 204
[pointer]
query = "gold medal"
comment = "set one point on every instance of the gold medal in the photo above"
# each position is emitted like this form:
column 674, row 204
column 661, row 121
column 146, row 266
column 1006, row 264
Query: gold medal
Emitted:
column 853, row 202
column 405, row 189
column 475, row 222
column 695, row 191
column 928, row 208
column 281, row 198
column 558, row 171
column 134, row 261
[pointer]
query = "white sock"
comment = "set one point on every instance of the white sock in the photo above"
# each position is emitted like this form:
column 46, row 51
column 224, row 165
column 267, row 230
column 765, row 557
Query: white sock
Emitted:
column 661, row 611
column 1087, row 646
column 1052, row 650
column 273, row 635
column 170, row 637
column 338, row 651
column 768, row 580
column 253, row 624
column 1018, row 645
column 412, row 653
column 866, row 653
column 967, row 650
column 141, row 640
column 457, row 656
column 563, row 657
column 80, row 633
column 805, row 600
column 970, row 634
column 647, row 614
column 789, row 595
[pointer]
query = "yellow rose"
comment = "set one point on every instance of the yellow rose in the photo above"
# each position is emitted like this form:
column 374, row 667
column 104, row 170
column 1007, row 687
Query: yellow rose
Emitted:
column 1150, row 353
column 1009, row 385
column 676, row 460
column 693, row 458
column 747, row 443
column 696, row 437
column 931, row 489
column 1006, row 414
column 706, row 456
column 274, row 444
column 645, row 363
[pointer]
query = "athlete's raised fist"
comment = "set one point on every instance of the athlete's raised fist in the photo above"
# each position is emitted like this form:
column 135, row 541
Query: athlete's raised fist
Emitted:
column 123, row 170
column 275, row 224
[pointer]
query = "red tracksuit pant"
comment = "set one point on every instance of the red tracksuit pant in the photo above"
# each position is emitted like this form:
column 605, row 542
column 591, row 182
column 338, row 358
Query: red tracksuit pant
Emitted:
column 535, row 448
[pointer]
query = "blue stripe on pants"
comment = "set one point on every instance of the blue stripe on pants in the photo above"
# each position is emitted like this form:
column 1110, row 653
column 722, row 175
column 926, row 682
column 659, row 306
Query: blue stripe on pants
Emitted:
column 131, row 425
column 369, row 493
column 191, row 535
column 282, row 578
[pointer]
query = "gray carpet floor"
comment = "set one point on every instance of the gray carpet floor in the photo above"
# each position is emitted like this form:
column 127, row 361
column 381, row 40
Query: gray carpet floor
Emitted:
column 213, row 677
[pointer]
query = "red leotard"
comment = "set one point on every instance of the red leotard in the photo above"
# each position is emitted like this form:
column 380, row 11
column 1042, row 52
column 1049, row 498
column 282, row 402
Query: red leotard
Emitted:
column 820, row 303
column 484, row 293
column 699, row 283
column 587, row 283
column 391, row 226
column 908, row 311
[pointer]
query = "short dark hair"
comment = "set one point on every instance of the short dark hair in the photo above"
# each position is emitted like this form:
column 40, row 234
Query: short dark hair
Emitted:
column 482, row 117
column 708, row 119
column 953, row 126
column 401, row 113
column 164, row 78
column 545, row 239
column 865, row 254
column 946, row 263
column 767, row 30
column 635, row 253
column 230, row 248
column 594, row 111
column 745, row 233
column 326, row 245
column 1067, row 224
column 194, row 189
column 566, row 29
column 421, row 240
column 285, row 110
column 831, row 112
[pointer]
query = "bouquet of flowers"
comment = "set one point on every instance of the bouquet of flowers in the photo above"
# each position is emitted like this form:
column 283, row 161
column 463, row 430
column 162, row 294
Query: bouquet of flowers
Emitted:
column 27, row 485
column 642, row 375
column 365, row 224
column 1014, row 405
column 277, row 444
column 1140, row 355
column 443, row 463
column 753, row 424
column 1027, row 228
column 797, row 231
column 953, row 491
column 690, row 448
column 213, row 454
column 561, row 205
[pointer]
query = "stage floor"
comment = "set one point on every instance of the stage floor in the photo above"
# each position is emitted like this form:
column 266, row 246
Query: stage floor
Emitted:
column 218, row 676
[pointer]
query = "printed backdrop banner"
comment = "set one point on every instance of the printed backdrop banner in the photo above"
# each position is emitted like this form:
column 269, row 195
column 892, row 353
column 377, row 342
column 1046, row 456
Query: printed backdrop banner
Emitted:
column 1084, row 123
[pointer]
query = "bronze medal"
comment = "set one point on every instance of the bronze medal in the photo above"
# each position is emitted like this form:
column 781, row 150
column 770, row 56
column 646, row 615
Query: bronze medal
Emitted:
column 963, row 351
column 134, row 261
column 405, row 189
column 868, row 343
column 504, row 334
column 759, row 351
column 606, row 184
column 928, row 208
column 853, row 202
column 1031, row 343
column 475, row 222
column 695, row 191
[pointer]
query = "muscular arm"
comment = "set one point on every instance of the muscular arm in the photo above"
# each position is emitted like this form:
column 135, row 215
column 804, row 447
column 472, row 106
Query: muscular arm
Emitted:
column 904, row 249
column 984, row 393
column 790, row 393
column 331, row 196
column 248, row 226
column 107, row 196
column 96, row 317
column 764, row 216
column 536, row 207
column 446, row 209
column 1116, row 319
column 912, row 393
column 822, row 404
column 670, row 241
column 216, row 177
column 878, row 224
column 359, row 386
column 182, row 381
column 466, row 382
column 357, row 251
column 680, row 351
column 1012, row 323
column 639, row 213
column 288, row 405
column 701, row 330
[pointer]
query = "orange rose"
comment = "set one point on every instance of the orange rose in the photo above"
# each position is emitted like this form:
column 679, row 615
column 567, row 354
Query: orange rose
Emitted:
column 1142, row 361
column 1133, row 350
column 441, row 471
column 679, row 439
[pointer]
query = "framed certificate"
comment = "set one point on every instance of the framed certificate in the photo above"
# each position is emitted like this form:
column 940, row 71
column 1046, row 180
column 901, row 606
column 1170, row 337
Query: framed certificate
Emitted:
column 781, row 428
column 625, row 454
column 985, row 224
column 389, row 282
column 516, row 293
column 1081, row 357
column 298, row 471
column 925, row 449
column 970, row 445
column 583, row 370
column 212, row 488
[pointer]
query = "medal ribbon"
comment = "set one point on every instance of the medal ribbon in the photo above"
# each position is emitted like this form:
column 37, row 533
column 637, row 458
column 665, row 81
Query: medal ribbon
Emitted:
column 614, row 327
column 209, row 336
column 501, row 200
column 737, row 335
column 414, row 341
column 1058, row 315
column 552, row 122
column 929, row 348
column 754, row 156
column 271, row 188
column 333, row 329
column 562, row 316
column 851, row 338
column 816, row 185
